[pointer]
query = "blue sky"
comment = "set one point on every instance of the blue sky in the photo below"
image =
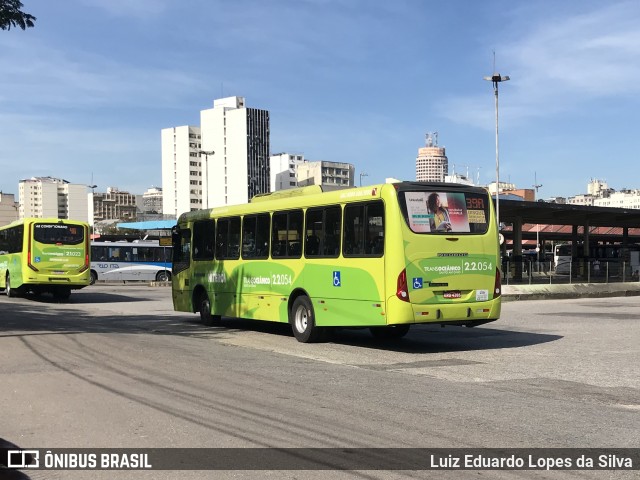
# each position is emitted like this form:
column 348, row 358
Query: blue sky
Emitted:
column 85, row 93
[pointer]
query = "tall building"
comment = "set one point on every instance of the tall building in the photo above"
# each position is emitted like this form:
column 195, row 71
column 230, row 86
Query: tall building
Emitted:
column 432, row 164
column 152, row 200
column 327, row 174
column 114, row 205
column 282, row 168
column 239, row 136
column 48, row 197
column 182, row 173
column 224, row 161
column 8, row 208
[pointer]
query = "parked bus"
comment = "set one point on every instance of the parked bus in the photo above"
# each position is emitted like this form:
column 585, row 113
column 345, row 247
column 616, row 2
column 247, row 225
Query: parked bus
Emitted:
column 127, row 261
column 40, row 255
column 611, row 260
column 360, row 257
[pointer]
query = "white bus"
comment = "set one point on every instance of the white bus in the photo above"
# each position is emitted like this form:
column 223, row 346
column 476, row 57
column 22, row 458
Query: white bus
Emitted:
column 127, row 261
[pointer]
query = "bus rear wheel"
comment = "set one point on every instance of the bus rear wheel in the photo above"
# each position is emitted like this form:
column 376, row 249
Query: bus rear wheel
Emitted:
column 204, row 306
column 392, row 331
column 302, row 319
column 93, row 277
column 11, row 292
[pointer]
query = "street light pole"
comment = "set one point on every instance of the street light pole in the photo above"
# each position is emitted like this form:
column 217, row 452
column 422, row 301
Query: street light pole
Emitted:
column 496, row 78
column 206, row 154
column 92, row 212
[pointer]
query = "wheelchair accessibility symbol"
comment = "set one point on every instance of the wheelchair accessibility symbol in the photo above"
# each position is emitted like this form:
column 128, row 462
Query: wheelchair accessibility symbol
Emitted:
column 336, row 279
column 417, row 283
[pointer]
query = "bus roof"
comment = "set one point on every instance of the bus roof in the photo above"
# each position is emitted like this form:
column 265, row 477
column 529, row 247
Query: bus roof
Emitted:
column 316, row 195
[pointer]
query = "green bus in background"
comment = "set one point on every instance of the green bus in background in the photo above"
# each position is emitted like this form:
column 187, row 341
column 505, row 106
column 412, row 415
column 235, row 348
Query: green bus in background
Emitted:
column 40, row 255
column 383, row 257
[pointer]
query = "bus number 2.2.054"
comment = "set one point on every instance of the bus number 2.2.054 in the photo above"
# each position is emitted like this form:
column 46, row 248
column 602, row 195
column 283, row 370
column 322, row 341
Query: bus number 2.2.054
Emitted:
column 478, row 266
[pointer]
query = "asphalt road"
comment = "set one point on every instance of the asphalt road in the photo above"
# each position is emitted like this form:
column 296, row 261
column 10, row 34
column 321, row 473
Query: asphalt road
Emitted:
column 115, row 367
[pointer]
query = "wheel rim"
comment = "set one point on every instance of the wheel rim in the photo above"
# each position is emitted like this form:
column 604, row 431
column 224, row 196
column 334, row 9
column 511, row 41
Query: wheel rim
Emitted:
column 302, row 319
column 205, row 308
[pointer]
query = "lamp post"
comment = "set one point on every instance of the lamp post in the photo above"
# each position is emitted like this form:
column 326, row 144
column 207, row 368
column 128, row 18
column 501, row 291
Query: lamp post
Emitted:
column 91, row 206
column 363, row 174
column 496, row 78
column 206, row 154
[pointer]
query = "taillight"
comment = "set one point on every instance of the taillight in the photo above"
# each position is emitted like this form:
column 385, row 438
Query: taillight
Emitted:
column 497, row 287
column 403, row 290
column 87, row 250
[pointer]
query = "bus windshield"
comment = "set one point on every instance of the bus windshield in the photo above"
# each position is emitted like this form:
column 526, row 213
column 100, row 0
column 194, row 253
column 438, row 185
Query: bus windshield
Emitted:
column 445, row 211
column 58, row 234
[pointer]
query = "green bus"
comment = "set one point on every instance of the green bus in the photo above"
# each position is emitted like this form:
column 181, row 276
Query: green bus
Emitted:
column 40, row 255
column 383, row 257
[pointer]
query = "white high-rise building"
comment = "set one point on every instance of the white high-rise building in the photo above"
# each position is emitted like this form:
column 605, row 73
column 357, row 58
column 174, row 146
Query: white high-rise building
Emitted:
column 282, row 168
column 225, row 161
column 48, row 197
column 432, row 164
column 182, row 173
column 239, row 136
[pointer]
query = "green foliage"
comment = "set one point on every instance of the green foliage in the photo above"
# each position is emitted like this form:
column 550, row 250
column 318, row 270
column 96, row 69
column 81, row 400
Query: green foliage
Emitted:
column 12, row 16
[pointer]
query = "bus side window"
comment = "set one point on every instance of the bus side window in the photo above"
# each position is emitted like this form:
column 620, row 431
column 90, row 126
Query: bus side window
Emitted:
column 353, row 241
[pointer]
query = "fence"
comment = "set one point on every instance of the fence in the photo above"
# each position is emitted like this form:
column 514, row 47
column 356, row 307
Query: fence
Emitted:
column 581, row 271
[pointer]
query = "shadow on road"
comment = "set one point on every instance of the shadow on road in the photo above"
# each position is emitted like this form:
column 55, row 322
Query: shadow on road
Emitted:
column 35, row 318
column 10, row 474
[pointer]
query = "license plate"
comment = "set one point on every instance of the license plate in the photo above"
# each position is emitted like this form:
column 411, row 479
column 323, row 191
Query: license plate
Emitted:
column 452, row 294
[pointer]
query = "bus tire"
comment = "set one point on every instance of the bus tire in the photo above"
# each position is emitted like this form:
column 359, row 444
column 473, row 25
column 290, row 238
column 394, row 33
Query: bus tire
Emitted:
column 302, row 319
column 163, row 276
column 392, row 331
column 93, row 277
column 11, row 292
column 204, row 306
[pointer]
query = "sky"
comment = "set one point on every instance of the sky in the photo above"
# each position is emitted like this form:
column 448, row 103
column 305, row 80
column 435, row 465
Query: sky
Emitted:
column 85, row 93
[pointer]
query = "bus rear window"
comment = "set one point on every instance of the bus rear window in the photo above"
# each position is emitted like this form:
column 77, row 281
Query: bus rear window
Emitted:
column 445, row 212
column 57, row 233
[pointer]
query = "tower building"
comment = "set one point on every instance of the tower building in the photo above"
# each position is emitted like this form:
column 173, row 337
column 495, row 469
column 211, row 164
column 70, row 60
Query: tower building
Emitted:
column 432, row 164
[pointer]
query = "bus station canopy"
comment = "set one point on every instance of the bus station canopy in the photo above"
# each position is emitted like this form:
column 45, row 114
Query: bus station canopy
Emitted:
column 150, row 225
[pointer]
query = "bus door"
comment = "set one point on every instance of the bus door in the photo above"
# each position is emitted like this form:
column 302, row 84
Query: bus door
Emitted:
column 181, row 287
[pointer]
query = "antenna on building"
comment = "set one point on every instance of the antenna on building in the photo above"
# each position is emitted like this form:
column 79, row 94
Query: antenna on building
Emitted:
column 432, row 139
column 536, row 185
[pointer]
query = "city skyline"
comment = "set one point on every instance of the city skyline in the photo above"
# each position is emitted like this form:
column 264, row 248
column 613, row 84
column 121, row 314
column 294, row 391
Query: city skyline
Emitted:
column 87, row 90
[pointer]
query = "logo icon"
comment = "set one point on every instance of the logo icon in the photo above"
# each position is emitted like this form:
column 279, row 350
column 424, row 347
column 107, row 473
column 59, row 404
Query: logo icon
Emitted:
column 336, row 279
column 23, row 458
column 417, row 283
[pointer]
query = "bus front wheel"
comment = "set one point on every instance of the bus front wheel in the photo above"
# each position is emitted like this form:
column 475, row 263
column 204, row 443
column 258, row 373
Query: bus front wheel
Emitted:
column 93, row 278
column 302, row 321
column 205, row 312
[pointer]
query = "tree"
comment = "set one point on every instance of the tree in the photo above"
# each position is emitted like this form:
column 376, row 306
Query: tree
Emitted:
column 12, row 16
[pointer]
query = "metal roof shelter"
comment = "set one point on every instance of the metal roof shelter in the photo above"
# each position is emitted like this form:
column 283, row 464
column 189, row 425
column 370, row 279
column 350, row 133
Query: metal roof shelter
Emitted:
column 149, row 225
column 543, row 222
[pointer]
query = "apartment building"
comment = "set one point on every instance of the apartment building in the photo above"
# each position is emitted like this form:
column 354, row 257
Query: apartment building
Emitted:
column 48, row 197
